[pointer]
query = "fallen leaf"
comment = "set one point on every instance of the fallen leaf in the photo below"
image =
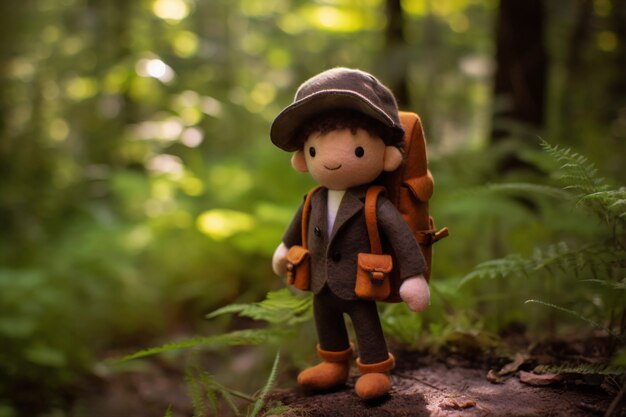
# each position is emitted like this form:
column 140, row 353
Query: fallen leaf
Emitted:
column 538, row 379
column 457, row 403
column 512, row 367
column 494, row 377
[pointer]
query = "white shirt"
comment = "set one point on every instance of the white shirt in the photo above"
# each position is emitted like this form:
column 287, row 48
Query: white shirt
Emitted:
column 334, row 201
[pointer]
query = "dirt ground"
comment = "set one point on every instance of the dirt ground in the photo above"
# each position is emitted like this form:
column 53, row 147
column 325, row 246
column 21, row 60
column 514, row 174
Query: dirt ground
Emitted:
column 439, row 390
column 422, row 386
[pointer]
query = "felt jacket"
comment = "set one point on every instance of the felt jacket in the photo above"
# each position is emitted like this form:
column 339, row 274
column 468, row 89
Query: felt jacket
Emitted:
column 334, row 259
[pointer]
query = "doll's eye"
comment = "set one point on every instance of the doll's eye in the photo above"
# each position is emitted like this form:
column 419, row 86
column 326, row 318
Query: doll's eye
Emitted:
column 359, row 152
column 312, row 152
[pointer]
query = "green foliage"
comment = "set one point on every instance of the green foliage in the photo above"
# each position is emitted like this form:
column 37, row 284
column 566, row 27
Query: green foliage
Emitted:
column 281, row 309
column 278, row 307
column 597, row 259
column 235, row 338
column 260, row 401
column 205, row 391
column 139, row 190
column 584, row 369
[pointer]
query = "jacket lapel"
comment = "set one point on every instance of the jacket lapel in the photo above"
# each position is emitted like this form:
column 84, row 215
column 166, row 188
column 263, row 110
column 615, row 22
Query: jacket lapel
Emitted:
column 350, row 205
column 319, row 210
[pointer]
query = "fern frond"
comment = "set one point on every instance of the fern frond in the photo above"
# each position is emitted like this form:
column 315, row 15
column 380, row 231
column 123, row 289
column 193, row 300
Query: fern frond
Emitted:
column 576, row 172
column 195, row 393
column 276, row 410
column 227, row 395
column 558, row 254
column 590, row 258
column 280, row 306
column 513, row 264
column 582, row 369
column 612, row 202
column 258, row 404
column 575, row 314
column 621, row 285
column 236, row 338
column 209, row 391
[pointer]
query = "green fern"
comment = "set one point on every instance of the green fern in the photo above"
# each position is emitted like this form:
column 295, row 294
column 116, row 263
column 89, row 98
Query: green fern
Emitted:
column 236, row 338
column 620, row 285
column 279, row 307
column 575, row 172
column 511, row 265
column 583, row 369
column 260, row 401
column 195, row 393
column 573, row 313
column 601, row 261
column 276, row 409
column 204, row 391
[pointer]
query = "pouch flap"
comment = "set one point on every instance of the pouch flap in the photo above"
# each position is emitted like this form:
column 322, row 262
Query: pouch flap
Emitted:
column 375, row 263
column 421, row 187
column 297, row 254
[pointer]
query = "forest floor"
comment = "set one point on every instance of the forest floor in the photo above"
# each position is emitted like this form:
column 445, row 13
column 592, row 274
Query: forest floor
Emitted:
column 455, row 383
column 440, row 389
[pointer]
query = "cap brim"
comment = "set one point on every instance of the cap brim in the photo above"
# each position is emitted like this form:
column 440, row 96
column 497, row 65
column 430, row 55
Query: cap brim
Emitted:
column 291, row 118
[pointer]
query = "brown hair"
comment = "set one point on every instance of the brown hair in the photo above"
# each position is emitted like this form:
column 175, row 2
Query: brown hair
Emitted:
column 346, row 119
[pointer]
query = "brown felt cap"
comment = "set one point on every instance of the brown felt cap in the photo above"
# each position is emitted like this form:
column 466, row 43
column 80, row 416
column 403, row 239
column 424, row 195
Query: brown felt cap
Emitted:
column 337, row 88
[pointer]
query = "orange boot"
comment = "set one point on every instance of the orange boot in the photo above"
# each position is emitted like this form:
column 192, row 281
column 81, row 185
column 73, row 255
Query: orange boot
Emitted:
column 328, row 374
column 375, row 381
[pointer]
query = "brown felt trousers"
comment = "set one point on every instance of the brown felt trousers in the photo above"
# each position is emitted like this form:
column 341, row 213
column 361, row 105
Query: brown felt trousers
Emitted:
column 331, row 328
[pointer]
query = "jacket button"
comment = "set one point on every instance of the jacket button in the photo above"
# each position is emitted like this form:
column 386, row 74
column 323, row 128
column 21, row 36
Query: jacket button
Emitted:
column 336, row 256
column 317, row 231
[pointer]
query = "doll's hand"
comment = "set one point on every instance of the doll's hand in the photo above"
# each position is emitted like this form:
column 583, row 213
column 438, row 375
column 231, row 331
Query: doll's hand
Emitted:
column 415, row 293
column 279, row 260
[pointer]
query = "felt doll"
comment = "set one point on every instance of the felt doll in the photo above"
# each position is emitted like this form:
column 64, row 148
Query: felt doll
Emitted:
column 344, row 130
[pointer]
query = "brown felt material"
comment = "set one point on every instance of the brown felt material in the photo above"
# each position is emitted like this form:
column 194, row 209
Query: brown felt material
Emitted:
column 337, row 88
column 330, row 373
column 298, row 267
column 371, row 219
column 374, row 385
column 375, row 381
column 410, row 187
column 372, row 280
column 333, row 356
column 324, row 375
column 328, row 311
column 334, row 260
column 380, row 367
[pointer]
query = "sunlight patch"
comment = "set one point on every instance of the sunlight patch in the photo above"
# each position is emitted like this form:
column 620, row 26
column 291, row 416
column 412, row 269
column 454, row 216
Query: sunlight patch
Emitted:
column 220, row 224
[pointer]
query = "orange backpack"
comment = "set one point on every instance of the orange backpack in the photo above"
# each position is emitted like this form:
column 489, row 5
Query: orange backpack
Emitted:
column 409, row 188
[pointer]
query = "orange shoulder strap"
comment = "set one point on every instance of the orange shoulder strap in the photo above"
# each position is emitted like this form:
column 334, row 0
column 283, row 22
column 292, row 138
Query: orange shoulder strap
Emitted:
column 371, row 199
column 306, row 211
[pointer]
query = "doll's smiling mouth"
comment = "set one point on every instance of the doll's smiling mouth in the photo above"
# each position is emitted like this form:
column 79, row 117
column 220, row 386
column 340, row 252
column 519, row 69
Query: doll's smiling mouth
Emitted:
column 333, row 168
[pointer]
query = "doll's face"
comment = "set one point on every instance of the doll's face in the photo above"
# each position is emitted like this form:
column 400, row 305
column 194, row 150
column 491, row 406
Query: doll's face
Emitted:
column 341, row 159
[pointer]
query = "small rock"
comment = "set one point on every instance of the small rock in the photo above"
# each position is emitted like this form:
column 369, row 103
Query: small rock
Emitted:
column 539, row 380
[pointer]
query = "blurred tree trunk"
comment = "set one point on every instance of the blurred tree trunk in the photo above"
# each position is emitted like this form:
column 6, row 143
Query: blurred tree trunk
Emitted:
column 619, row 25
column 521, row 67
column 396, row 60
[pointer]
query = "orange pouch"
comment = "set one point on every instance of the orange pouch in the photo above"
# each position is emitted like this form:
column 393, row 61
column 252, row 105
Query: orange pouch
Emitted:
column 298, row 267
column 372, row 276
